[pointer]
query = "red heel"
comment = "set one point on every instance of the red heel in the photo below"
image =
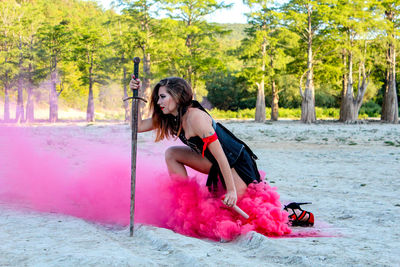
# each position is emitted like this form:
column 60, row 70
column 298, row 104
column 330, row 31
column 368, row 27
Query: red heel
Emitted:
column 305, row 218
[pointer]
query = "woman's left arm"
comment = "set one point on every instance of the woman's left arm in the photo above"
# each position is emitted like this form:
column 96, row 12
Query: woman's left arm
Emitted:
column 202, row 127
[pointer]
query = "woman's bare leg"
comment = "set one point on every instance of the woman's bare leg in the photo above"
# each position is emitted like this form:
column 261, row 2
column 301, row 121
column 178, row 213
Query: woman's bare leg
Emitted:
column 177, row 157
column 239, row 183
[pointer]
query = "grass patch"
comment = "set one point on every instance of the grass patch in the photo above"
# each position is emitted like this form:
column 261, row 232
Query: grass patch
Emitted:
column 300, row 138
column 340, row 139
column 284, row 113
column 395, row 143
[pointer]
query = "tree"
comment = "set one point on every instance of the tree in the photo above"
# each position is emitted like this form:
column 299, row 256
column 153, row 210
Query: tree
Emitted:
column 258, row 33
column 306, row 18
column 143, row 36
column 9, row 12
column 90, row 54
column 263, row 51
column 123, row 46
column 20, row 110
column 25, row 32
column 355, row 24
column 32, row 19
column 54, row 44
column 198, row 37
column 390, row 106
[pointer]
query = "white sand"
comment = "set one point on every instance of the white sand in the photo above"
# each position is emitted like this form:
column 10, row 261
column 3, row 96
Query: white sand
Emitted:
column 351, row 173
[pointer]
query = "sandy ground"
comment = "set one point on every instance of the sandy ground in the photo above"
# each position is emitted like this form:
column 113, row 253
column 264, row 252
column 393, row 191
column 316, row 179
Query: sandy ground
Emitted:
column 351, row 174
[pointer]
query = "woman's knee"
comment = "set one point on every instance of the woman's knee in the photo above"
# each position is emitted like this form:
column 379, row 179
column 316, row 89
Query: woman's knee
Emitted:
column 177, row 155
column 171, row 154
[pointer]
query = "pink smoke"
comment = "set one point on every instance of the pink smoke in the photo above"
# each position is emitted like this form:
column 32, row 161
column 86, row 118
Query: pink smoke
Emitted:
column 94, row 184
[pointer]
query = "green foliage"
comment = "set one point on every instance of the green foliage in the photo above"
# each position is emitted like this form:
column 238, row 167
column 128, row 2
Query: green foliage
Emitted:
column 371, row 109
column 236, row 33
column 294, row 113
column 222, row 91
column 227, row 91
column 323, row 99
column 10, row 15
column 248, row 102
column 289, row 96
column 200, row 54
column 85, row 44
column 286, row 113
column 327, row 113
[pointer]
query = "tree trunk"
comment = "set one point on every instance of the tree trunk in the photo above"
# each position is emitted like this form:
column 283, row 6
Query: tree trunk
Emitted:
column 361, row 89
column 6, row 103
column 190, row 81
column 390, row 107
column 275, row 96
column 260, row 104
column 124, row 82
column 90, row 106
column 30, row 114
column 351, row 106
column 53, row 98
column 347, row 111
column 308, row 104
column 274, row 103
column 53, row 117
column 190, row 71
column 6, row 80
column 308, row 98
column 385, row 92
column 19, row 112
column 6, row 95
column 344, row 84
column 146, row 92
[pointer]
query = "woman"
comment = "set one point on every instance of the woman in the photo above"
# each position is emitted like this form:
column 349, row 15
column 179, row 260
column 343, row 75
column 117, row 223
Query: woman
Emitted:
column 175, row 114
column 211, row 148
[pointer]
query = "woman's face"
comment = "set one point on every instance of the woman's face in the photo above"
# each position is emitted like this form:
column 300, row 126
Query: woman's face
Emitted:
column 167, row 104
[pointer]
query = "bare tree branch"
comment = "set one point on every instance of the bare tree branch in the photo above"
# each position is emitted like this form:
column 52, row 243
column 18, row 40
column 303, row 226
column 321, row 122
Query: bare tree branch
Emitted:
column 301, row 81
column 363, row 87
column 61, row 89
column 359, row 76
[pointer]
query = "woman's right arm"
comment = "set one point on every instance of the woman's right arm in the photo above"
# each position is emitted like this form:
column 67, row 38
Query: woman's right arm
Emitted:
column 143, row 125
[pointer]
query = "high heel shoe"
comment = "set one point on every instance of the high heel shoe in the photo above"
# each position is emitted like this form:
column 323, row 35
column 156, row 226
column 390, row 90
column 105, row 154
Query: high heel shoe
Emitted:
column 305, row 218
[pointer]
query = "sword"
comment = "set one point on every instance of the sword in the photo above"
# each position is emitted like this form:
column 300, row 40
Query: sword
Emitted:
column 134, row 117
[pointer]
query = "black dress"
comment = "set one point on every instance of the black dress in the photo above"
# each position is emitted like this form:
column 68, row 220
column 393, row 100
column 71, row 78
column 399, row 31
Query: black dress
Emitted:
column 239, row 155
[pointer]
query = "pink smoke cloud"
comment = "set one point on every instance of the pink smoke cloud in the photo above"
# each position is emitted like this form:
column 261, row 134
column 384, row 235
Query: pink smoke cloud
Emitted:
column 94, row 184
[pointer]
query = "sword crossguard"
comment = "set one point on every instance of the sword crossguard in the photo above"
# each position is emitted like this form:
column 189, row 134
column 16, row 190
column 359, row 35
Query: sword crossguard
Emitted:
column 135, row 97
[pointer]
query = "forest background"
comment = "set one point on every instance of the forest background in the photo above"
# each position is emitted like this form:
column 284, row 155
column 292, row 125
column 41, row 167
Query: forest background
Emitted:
column 299, row 59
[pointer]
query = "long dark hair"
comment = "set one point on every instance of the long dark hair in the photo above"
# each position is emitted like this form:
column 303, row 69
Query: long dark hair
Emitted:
column 167, row 125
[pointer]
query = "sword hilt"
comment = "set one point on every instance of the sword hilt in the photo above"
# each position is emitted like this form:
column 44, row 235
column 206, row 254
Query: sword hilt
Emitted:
column 136, row 62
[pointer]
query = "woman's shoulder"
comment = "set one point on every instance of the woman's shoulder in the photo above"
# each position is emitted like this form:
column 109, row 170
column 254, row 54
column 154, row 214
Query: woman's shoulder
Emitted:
column 197, row 120
column 196, row 115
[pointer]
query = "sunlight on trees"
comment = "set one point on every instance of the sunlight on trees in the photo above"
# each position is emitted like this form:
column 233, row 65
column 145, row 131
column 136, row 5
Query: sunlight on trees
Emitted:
column 291, row 54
